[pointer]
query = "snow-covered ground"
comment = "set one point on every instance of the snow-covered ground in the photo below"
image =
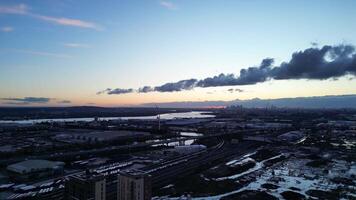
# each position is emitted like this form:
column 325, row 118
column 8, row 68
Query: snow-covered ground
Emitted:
column 258, row 166
column 287, row 174
column 292, row 173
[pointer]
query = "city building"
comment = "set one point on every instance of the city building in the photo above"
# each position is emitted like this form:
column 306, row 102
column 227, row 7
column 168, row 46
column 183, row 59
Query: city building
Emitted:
column 89, row 136
column 134, row 185
column 34, row 169
column 86, row 187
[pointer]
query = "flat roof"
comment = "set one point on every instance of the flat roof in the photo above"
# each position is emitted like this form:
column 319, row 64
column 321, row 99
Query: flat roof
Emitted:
column 33, row 165
column 105, row 135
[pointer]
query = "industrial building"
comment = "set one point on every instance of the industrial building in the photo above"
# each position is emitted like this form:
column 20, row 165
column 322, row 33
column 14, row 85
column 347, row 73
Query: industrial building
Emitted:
column 34, row 169
column 89, row 136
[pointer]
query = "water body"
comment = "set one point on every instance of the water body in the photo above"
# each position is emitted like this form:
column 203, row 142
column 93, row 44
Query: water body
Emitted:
column 190, row 134
column 166, row 116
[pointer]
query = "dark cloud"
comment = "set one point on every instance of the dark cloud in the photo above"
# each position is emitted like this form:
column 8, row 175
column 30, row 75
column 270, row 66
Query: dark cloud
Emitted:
column 16, row 103
column 220, row 80
column 120, row 91
column 104, row 91
column 177, row 86
column 314, row 44
column 327, row 62
column 314, row 63
column 247, row 76
column 64, row 101
column 253, row 75
column 116, row 91
column 145, row 89
column 26, row 100
column 231, row 90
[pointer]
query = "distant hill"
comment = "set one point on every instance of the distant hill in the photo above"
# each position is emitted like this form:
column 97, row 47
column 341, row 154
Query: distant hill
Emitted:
column 334, row 101
column 17, row 113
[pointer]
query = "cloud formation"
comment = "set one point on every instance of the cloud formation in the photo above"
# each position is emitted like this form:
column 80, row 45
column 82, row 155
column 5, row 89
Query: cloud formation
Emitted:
column 68, row 22
column 20, row 9
column 145, row 89
column 168, row 4
column 40, row 53
column 116, row 91
column 76, row 45
column 231, row 90
column 6, row 29
column 23, row 9
column 26, row 100
column 312, row 64
column 32, row 100
column 320, row 64
column 64, row 102
column 177, row 86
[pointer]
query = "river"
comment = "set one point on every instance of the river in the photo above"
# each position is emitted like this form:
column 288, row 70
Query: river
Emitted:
column 166, row 116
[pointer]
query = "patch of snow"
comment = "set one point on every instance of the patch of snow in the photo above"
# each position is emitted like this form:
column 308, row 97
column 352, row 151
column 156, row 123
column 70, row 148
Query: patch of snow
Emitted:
column 258, row 166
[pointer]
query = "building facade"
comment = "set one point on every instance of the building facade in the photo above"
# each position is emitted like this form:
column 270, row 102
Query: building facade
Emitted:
column 134, row 185
column 85, row 187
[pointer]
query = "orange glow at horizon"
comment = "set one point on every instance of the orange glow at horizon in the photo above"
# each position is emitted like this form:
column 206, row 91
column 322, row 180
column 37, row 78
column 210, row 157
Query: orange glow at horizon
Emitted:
column 267, row 90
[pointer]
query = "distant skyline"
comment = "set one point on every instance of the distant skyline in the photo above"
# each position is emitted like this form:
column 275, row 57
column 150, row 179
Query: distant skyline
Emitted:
column 315, row 102
column 122, row 53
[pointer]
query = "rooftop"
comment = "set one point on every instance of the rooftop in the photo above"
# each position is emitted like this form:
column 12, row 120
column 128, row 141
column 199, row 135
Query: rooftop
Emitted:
column 33, row 165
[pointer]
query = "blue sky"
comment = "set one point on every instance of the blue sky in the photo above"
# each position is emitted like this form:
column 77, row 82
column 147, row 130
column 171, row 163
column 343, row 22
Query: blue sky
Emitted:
column 70, row 50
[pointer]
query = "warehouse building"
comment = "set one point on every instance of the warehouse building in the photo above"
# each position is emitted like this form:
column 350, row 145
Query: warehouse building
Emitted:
column 34, row 169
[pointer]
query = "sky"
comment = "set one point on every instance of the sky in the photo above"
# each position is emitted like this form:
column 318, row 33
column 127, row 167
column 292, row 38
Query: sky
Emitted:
column 80, row 52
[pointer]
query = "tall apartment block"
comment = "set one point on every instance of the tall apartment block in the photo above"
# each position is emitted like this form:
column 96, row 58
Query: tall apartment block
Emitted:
column 86, row 187
column 124, row 185
column 134, row 185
